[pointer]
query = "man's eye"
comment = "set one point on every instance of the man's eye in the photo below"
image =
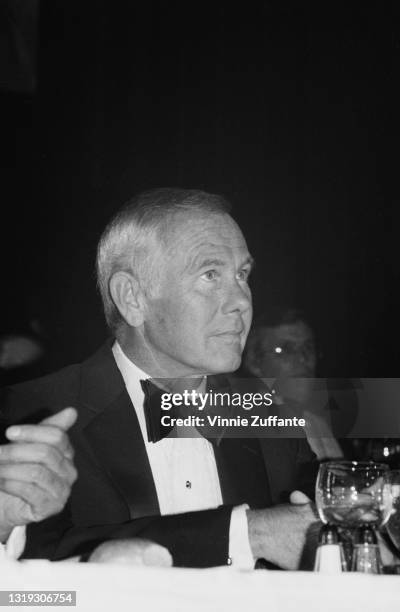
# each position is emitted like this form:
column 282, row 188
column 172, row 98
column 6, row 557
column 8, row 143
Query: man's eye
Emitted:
column 210, row 275
column 243, row 274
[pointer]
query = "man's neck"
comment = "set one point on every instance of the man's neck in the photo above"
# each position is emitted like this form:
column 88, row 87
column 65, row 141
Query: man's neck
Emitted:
column 176, row 381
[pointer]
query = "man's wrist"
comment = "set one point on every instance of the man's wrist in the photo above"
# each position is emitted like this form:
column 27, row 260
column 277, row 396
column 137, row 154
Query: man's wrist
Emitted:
column 256, row 532
column 265, row 535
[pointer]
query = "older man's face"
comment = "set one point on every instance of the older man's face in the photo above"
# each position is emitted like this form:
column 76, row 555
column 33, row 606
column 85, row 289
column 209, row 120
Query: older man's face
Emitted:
column 198, row 320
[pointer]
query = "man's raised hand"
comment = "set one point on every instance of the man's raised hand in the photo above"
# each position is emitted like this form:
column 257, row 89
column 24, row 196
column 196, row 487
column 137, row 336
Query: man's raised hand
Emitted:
column 36, row 471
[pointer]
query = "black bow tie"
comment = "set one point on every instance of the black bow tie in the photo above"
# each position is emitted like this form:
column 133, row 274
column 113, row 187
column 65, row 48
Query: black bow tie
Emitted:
column 152, row 411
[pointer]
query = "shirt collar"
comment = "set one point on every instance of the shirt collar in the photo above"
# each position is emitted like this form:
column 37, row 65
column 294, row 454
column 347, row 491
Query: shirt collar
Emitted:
column 127, row 368
column 132, row 376
column 131, row 372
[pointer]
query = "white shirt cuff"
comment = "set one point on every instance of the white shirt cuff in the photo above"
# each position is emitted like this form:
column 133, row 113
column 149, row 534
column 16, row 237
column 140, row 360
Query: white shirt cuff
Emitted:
column 14, row 547
column 240, row 554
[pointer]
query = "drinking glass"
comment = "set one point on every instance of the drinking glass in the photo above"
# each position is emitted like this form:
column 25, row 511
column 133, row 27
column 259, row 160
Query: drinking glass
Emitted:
column 351, row 494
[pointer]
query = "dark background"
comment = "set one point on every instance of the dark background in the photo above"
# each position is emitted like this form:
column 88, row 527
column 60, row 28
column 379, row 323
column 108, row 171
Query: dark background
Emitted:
column 291, row 112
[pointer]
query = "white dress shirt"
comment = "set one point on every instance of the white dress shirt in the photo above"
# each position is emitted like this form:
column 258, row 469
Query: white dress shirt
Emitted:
column 184, row 469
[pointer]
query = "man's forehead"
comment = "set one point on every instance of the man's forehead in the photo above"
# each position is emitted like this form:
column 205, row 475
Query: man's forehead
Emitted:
column 298, row 331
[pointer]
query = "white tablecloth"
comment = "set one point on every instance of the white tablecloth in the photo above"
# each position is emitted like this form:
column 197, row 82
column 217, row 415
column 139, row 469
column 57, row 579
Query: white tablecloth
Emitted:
column 119, row 588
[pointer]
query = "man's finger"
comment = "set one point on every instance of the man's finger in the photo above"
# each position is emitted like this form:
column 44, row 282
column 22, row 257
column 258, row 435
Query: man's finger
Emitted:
column 41, row 503
column 63, row 419
column 35, row 474
column 42, row 434
column 299, row 498
column 42, row 454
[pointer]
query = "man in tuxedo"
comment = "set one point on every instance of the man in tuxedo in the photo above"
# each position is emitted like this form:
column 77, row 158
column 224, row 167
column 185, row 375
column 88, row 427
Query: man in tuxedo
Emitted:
column 173, row 269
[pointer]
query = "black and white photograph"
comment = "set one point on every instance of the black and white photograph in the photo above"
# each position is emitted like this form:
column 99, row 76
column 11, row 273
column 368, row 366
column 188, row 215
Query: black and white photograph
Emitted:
column 199, row 332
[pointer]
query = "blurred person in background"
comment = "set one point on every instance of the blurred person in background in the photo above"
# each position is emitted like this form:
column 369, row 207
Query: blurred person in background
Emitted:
column 23, row 351
column 282, row 350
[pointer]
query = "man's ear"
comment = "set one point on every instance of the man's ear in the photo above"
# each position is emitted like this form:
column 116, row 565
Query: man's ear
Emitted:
column 127, row 297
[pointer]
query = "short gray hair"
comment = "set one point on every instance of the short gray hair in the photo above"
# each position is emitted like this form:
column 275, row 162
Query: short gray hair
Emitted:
column 139, row 224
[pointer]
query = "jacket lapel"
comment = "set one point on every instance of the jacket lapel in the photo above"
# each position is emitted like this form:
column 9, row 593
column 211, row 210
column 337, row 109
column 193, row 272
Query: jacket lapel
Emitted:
column 256, row 470
column 113, row 433
column 241, row 470
column 279, row 456
column 242, row 473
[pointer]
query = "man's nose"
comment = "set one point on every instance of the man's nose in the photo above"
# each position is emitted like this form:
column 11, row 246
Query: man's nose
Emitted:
column 237, row 298
column 303, row 356
column 306, row 358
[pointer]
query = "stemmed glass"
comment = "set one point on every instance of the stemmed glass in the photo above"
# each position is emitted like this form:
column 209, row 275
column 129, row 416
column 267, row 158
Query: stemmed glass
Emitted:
column 351, row 494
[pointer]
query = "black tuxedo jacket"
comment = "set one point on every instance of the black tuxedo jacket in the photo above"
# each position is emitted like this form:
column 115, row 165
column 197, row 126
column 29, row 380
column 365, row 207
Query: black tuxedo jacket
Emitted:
column 115, row 496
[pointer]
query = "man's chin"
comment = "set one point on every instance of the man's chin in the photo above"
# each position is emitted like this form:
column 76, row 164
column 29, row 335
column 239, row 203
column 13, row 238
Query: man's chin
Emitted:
column 224, row 366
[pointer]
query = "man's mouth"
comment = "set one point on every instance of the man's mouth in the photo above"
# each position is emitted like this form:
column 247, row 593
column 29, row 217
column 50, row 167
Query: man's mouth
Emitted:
column 231, row 332
column 231, row 336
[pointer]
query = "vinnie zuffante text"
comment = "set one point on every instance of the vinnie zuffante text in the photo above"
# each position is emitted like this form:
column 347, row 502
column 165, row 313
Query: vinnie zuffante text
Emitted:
column 211, row 399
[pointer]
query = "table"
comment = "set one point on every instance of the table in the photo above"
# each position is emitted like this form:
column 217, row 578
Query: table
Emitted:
column 112, row 588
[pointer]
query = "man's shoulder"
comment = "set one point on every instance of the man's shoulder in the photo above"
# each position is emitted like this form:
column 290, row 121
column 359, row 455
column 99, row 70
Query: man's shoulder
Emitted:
column 58, row 380
column 35, row 399
column 42, row 396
